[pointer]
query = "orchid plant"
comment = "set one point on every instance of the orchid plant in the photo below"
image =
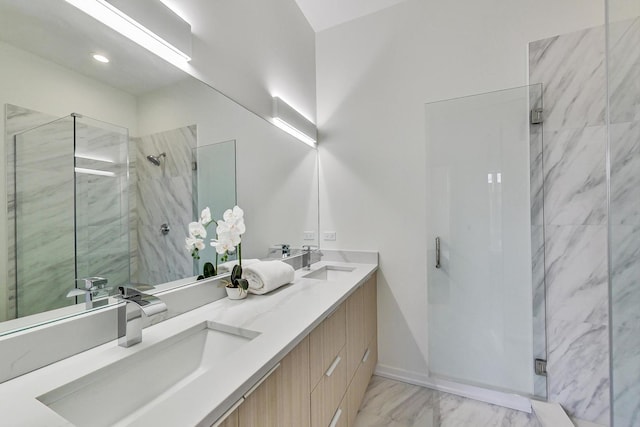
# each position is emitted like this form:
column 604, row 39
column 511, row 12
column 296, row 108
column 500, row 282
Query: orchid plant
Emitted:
column 229, row 231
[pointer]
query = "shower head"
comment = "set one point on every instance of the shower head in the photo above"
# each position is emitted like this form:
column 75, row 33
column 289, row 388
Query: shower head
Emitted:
column 156, row 159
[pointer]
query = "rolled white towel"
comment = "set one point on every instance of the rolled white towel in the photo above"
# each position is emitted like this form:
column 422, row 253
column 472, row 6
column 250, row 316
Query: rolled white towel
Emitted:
column 228, row 266
column 266, row 276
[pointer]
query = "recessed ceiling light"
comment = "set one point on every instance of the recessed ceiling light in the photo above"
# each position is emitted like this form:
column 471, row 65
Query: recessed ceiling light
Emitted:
column 100, row 58
column 111, row 16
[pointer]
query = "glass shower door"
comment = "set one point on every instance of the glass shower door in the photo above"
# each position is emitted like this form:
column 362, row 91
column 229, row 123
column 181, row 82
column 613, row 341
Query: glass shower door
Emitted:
column 102, row 201
column 485, row 236
column 71, row 204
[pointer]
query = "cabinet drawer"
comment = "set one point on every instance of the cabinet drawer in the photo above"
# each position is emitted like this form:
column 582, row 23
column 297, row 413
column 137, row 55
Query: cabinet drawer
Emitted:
column 325, row 342
column 329, row 393
column 339, row 418
column 360, row 382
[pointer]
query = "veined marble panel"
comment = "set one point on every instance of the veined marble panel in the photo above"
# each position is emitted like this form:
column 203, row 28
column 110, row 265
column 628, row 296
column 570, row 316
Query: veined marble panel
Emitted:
column 576, row 274
column 178, row 144
column 625, row 271
column 626, row 376
column 578, row 369
column 625, row 173
column 164, row 195
column 575, row 176
column 624, row 71
column 571, row 68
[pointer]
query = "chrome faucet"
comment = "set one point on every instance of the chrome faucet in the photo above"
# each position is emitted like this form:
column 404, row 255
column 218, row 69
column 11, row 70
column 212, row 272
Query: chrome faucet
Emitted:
column 306, row 256
column 94, row 287
column 130, row 313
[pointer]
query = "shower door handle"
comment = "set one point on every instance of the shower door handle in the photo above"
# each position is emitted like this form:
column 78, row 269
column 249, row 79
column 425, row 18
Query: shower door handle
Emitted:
column 437, row 252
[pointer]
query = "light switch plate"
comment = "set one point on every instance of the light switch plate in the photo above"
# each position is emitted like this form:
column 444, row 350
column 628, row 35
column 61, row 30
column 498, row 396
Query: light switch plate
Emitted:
column 329, row 235
column 309, row 235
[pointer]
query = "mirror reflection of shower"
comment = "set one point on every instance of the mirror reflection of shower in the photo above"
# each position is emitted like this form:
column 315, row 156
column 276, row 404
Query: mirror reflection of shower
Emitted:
column 156, row 159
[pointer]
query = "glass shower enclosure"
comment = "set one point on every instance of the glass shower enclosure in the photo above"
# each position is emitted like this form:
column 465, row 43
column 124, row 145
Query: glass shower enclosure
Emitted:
column 623, row 59
column 486, row 310
column 71, row 205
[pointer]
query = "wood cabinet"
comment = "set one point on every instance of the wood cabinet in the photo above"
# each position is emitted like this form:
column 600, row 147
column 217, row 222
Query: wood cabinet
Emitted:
column 356, row 341
column 322, row 381
column 260, row 408
column 295, row 397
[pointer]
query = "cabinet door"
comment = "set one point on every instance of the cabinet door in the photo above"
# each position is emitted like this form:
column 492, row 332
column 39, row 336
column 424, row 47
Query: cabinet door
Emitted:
column 260, row 408
column 370, row 309
column 356, row 340
column 295, row 397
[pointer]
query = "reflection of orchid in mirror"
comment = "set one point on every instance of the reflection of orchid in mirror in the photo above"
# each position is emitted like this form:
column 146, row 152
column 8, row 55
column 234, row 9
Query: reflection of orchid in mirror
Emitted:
column 194, row 243
column 229, row 232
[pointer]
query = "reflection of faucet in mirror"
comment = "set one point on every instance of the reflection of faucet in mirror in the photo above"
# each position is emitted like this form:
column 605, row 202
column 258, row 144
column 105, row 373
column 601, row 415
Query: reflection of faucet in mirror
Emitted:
column 95, row 288
column 283, row 248
column 130, row 313
column 306, row 255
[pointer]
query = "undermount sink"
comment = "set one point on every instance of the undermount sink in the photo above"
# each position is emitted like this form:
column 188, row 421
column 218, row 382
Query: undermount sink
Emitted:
column 120, row 393
column 329, row 272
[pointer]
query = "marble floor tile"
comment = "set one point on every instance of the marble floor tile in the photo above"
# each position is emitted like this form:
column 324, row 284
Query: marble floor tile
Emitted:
column 397, row 404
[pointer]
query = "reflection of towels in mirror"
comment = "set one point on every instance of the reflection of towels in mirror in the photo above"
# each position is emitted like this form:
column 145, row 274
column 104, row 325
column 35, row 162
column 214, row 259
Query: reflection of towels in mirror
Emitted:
column 266, row 276
column 228, row 266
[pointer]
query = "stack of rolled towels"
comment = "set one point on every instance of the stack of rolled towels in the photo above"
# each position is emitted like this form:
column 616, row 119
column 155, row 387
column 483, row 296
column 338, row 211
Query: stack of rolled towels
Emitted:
column 265, row 276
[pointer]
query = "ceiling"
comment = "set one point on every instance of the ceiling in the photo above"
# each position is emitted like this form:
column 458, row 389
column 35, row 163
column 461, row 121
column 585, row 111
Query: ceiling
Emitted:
column 324, row 14
column 58, row 32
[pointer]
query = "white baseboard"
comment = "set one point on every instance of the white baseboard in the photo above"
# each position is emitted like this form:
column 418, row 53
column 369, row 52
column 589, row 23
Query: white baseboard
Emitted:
column 508, row 400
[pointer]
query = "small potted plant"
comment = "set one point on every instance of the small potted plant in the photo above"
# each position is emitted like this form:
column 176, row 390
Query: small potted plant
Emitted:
column 229, row 231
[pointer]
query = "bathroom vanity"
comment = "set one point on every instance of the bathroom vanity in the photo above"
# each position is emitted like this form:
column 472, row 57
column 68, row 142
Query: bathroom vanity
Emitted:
column 299, row 356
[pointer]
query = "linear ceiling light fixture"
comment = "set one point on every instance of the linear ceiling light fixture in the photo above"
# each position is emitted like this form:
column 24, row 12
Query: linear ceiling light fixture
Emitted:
column 294, row 123
column 130, row 28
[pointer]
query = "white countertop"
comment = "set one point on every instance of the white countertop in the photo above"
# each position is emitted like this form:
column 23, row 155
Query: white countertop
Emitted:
column 283, row 318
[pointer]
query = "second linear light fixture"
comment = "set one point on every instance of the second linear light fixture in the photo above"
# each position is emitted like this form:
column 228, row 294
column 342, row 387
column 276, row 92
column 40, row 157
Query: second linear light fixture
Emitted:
column 294, row 123
column 157, row 18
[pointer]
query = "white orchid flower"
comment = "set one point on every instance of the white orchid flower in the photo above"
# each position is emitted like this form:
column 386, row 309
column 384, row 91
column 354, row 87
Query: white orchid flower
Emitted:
column 192, row 243
column 223, row 245
column 196, row 229
column 205, row 216
column 233, row 215
column 234, row 227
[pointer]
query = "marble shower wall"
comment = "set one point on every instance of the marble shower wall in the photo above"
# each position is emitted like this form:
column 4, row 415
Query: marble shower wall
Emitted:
column 571, row 69
column 164, row 196
column 624, row 135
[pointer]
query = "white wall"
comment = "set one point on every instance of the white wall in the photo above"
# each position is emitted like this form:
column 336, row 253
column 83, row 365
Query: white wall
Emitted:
column 374, row 76
column 253, row 50
column 29, row 81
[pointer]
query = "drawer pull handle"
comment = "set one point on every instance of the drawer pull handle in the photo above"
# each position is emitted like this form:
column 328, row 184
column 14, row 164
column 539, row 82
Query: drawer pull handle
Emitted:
column 333, row 366
column 336, row 418
column 366, row 356
column 263, row 379
column 224, row 416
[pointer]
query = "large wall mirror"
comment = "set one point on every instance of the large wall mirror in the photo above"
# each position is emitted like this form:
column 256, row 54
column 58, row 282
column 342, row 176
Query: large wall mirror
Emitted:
column 107, row 163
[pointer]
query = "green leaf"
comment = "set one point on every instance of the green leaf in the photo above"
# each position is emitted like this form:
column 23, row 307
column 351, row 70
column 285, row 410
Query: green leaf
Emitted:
column 236, row 273
column 208, row 270
column 243, row 283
